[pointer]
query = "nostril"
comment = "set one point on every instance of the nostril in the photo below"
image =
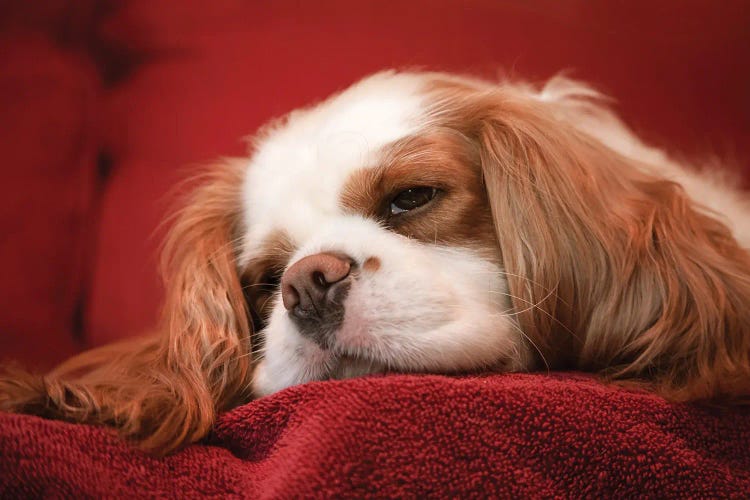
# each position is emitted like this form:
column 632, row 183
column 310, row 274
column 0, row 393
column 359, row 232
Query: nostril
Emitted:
column 319, row 279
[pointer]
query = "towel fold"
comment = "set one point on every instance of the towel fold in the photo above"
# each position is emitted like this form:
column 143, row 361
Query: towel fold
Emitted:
column 512, row 435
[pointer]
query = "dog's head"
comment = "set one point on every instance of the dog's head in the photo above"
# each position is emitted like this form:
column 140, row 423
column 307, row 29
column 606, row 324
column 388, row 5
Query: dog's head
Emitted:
column 424, row 222
column 369, row 242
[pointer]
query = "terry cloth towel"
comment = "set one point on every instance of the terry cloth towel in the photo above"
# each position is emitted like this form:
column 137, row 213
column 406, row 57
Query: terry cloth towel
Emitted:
column 511, row 436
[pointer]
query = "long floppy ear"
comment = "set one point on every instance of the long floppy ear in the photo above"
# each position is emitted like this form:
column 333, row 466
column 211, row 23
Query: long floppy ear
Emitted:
column 610, row 268
column 164, row 391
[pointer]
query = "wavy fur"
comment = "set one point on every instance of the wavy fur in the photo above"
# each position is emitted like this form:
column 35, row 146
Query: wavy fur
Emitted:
column 647, row 285
column 164, row 391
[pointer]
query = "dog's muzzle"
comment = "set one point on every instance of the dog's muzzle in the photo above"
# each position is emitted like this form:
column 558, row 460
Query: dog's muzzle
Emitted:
column 313, row 291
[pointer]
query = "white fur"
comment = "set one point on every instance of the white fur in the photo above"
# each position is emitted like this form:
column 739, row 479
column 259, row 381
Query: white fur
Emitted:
column 427, row 307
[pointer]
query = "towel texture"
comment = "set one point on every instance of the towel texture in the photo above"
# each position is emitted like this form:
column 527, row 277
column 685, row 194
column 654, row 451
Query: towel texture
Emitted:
column 408, row 436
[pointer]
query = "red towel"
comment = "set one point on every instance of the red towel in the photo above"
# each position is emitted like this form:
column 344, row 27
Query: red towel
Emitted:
column 408, row 436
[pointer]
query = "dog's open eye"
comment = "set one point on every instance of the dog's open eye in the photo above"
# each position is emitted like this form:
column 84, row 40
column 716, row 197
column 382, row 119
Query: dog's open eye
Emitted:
column 412, row 198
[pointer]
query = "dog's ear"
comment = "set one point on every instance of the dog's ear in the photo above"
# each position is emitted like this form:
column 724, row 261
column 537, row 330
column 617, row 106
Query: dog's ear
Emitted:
column 164, row 391
column 610, row 268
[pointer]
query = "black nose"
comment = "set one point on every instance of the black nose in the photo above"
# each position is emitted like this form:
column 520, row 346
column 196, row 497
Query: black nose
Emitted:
column 313, row 291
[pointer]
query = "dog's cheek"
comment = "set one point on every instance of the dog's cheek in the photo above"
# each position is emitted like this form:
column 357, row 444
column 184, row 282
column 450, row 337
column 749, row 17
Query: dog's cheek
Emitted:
column 439, row 311
column 399, row 299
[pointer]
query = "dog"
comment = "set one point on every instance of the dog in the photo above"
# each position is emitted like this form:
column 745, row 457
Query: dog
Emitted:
column 427, row 222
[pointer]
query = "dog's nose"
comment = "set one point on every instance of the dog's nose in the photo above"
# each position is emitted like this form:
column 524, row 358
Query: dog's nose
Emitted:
column 313, row 289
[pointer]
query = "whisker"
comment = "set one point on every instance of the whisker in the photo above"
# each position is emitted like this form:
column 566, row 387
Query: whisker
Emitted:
column 531, row 304
column 553, row 290
column 518, row 329
column 263, row 305
column 537, row 306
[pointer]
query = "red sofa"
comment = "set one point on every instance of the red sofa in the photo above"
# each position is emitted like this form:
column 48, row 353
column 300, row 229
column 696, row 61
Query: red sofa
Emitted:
column 105, row 105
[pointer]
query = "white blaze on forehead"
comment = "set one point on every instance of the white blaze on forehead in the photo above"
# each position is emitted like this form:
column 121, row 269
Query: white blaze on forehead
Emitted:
column 295, row 178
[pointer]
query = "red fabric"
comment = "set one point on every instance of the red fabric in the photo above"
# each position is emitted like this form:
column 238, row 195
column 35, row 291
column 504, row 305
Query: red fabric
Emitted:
column 512, row 436
column 48, row 109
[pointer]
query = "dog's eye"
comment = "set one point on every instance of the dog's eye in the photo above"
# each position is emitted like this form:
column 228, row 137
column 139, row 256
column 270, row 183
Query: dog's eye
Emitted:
column 412, row 198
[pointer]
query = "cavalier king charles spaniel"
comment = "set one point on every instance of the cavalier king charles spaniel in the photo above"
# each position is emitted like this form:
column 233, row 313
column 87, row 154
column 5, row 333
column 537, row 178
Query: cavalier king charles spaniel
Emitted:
column 424, row 222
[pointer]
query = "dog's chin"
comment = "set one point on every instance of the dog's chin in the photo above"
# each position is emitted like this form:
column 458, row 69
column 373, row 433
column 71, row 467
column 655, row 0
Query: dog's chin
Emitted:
column 323, row 365
column 346, row 366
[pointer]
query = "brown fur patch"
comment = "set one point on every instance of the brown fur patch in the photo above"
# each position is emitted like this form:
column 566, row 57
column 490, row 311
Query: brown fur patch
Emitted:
column 371, row 264
column 440, row 158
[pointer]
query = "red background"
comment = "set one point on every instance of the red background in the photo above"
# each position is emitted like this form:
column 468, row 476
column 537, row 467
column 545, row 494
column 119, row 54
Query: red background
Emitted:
column 105, row 105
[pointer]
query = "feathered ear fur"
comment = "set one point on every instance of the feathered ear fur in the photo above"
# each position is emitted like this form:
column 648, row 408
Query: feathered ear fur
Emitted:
column 164, row 391
column 611, row 268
